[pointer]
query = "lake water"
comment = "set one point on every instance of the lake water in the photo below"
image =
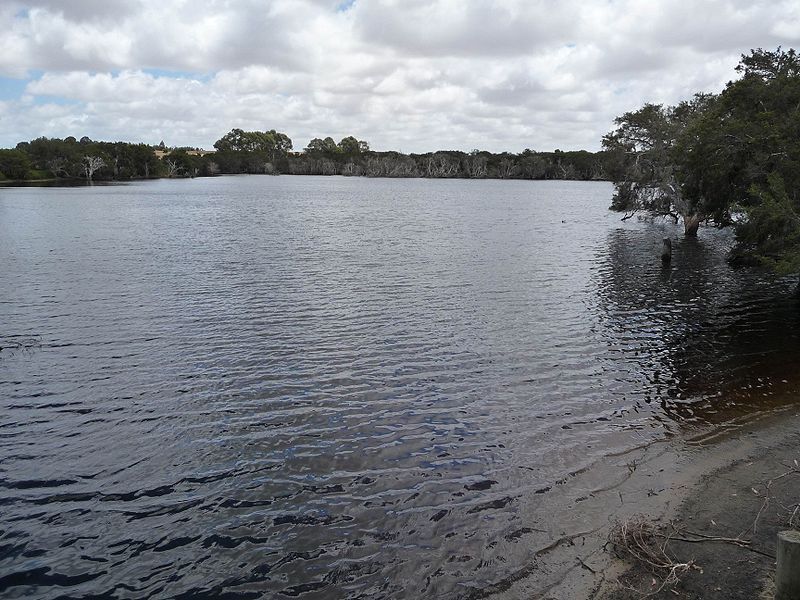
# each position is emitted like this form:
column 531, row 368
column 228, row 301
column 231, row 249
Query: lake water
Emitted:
column 341, row 388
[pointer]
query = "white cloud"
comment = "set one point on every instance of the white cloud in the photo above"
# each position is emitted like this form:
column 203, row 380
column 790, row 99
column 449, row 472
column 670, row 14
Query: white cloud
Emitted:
column 404, row 74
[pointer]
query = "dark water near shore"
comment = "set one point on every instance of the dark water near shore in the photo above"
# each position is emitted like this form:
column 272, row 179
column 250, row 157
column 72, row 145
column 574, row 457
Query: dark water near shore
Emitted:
column 340, row 388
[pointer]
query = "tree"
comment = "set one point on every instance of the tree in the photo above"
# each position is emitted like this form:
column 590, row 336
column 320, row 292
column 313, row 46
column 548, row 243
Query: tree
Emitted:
column 738, row 157
column 143, row 160
column 441, row 164
column 179, row 163
column 349, row 145
column 532, row 165
column 475, row 165
column 320, row 146
column 58, row 166
column 770, row 233
column 283, row 143
column 60, row 157
column 749, row 153
column 173, row 168
column 92, row 164
column 507, row 167
column 14, row 164
column 241, row 151
column 644, row 167
column 352, row 146
column 238, row 140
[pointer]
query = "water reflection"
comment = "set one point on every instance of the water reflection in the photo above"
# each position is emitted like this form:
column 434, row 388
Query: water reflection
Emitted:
column 703, row 340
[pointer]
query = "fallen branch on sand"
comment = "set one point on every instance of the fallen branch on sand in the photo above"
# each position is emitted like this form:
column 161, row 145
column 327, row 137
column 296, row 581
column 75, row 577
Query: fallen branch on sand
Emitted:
column 639, row 539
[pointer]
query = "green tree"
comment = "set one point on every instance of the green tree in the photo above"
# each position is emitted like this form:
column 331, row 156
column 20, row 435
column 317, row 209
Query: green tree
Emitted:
column 178, row 163
column 14, row 164
column 749, row 153
column 320, row 146
column 238, row 140
column 643, row 162
column 770, row 233
column 241, row 151
column 352, row 147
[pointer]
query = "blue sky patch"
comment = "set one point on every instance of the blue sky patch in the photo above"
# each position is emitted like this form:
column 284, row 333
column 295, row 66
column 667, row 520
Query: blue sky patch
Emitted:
column 12, row 89
column 345, row 6
column 177, row 74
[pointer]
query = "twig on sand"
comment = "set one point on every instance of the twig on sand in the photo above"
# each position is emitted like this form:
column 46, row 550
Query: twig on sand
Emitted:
column 700, row 538
column 585, row 566
column 794, row 522
column 767, row 496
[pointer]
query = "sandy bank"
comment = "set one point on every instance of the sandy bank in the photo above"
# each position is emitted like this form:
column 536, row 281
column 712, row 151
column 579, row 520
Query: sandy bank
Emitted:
column 712, row 484
column 752, row 496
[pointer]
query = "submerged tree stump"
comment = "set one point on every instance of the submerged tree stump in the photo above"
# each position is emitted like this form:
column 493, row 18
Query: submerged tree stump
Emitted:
column 691, row 223
column 666, row 251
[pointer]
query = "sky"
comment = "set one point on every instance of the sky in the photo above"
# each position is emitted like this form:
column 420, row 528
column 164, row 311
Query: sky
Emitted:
column 408, row 75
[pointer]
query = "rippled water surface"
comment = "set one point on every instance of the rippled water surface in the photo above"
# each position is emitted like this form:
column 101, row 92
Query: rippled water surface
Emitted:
column 338, row 388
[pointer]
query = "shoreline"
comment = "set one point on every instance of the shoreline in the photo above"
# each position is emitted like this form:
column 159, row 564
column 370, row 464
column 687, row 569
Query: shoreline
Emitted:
column 81, row 182
column 701, row 481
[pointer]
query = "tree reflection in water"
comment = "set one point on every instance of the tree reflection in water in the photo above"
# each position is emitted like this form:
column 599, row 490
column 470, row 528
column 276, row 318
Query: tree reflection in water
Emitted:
column 704, row 340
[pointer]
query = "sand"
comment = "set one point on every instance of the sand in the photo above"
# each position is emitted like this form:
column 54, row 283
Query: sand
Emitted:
column 712, row 483
column 752, row 496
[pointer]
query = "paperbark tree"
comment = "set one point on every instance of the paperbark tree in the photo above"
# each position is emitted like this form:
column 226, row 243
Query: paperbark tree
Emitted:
column 644, row 166
column 92, row 164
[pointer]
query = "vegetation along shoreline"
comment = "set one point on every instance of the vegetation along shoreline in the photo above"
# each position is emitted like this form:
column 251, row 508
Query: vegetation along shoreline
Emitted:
column 271, row 152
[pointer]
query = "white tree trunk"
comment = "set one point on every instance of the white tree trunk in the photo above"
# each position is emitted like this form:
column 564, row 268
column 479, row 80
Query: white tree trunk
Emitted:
column 92, row 164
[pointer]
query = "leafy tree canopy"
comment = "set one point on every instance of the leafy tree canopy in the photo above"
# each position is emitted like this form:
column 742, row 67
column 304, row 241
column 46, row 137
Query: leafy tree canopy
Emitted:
column 349, row 146
column 644, row 165
column 268, row 142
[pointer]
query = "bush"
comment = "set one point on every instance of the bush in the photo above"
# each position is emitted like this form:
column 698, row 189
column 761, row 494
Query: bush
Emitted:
column 39, row 174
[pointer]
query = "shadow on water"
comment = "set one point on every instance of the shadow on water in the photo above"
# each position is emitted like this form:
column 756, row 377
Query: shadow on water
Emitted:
column 703, row 340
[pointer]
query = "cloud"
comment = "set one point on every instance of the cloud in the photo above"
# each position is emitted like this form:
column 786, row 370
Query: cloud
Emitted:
column 413, row 75
column 455, row 28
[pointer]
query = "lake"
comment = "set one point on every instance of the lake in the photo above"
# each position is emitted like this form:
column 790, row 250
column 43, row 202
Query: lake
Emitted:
column 345, row 387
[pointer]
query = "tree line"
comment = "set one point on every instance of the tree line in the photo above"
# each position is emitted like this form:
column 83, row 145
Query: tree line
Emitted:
column 727, row 159
column 45, row 158
column 271, row 152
